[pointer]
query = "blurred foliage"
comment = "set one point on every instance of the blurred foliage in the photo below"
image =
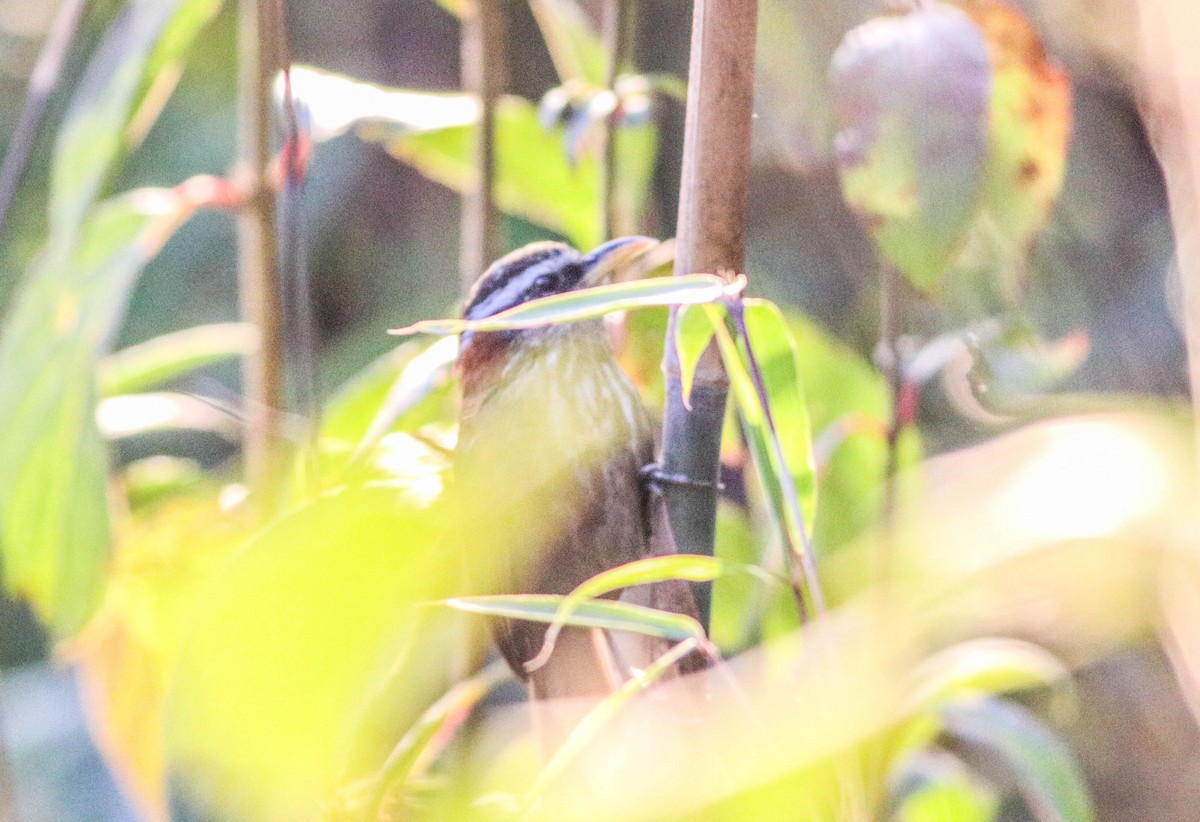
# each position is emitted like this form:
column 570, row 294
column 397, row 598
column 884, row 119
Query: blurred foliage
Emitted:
column 306, row 665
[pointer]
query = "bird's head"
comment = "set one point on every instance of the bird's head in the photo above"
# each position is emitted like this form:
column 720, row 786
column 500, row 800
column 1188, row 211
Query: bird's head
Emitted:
column 541, row 270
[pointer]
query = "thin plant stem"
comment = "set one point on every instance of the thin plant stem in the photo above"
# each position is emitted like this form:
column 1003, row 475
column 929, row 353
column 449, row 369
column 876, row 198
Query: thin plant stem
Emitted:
column 293, row 261
column 42, row 82
column 619, row 27
column 258, row 266
column 710, row 238
column 8, row 784
column 482, row 50
column 893, row 370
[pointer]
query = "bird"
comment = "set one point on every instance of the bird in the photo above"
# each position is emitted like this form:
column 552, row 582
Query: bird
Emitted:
column 553, row 439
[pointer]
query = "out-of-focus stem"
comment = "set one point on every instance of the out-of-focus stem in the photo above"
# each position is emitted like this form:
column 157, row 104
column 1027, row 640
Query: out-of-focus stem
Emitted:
column 482, row 52
column 258, row 269
column 893, row 370
column 619, row 28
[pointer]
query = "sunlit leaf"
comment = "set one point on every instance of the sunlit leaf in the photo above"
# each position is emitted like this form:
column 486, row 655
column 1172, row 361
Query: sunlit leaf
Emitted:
column 910, row 97
column 152, row 480
column 336, row 103
column 432, row 131
column 589, row 303
column 53, row 504
column 129, row 415
column 162, row 359
column 320, row 617
column 612, row 616
column 1046, row 771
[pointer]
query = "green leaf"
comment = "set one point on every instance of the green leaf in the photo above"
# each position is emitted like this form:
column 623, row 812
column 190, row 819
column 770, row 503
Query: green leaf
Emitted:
column 848, row 402
column 165, row 358
column 588, row 303
column 691, row 567
column 535, row 179
column 144, row 44
column 777, row 355
column 53, row 503
column 910, row 99
column 611, row 616
column 770, row 462
column 693, row 333
column 1046, row 771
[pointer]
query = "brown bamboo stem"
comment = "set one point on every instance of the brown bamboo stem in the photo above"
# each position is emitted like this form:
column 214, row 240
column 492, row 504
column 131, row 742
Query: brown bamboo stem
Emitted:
column 258, row 267
column 482, row 51
column 710, row 238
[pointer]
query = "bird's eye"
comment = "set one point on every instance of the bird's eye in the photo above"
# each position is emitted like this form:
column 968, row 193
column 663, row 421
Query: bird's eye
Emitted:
column 546, row 282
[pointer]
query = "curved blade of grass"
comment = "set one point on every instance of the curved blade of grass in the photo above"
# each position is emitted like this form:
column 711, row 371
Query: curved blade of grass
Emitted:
column 162, row 359
column 589, row 303
column 693, row 332
column 774, row 348
column 984, row 667
column 610, row 616
column 690, row 567
column 769, row 460
column 428, row 737
column 1046, row 772
column 598, row 717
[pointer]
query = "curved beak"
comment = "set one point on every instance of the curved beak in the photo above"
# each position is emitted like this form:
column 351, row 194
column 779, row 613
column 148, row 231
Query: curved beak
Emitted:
column 605, row 263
